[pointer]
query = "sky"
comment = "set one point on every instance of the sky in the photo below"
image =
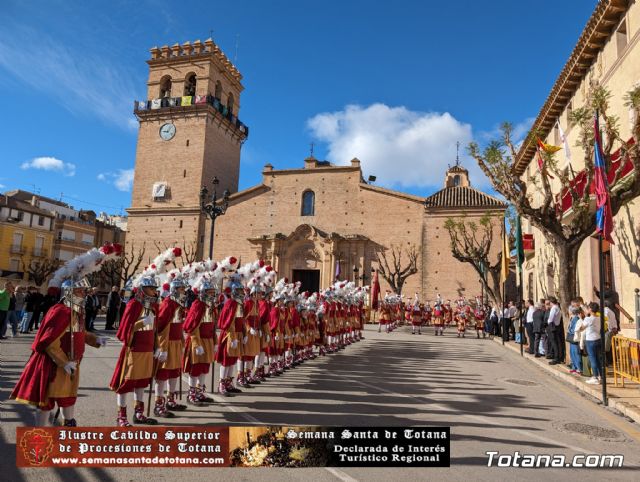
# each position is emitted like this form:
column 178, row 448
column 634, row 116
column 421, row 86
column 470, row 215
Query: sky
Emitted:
column 395, row 84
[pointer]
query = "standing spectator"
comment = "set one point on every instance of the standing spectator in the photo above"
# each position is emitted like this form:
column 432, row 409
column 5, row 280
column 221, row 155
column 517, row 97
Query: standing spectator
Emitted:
column 123, row 304
column 113, row 308
column 513, row 318
column 611, row 327
column 40, row 307
column 21, row 294
column 573, row 337
column 538, row 328
column 529, row 326
column 5, row 299
column 506, row 321
column 12, row 315
column 27, row 314
column 611, row 296
column 593, row 341
column 91, row 307
column 554, row 331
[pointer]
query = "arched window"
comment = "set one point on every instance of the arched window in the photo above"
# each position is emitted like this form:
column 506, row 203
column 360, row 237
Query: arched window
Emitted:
column 218, row 92
column 190, row 84
column 456, row 180
column 230, row 103
column 308, row 203
column 165, row 86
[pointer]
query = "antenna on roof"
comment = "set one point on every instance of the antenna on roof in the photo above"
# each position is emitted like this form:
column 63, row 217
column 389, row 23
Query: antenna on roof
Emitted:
column 311, row 150
column 457, row 153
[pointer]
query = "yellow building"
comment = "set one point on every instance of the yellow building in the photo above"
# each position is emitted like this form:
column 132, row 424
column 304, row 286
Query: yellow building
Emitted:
column 26, row 234
column 607, row 53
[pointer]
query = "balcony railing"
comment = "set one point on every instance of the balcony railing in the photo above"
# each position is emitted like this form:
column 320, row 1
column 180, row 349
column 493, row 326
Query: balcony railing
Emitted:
column 564, row 200
column 189, row 101
column 17, row 249
column 39, row 253
column 528, row 244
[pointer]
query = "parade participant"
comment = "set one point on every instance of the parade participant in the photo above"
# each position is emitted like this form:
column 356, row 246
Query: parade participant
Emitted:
column 385, row 315
column 277, row 319
column 170, row 335
column 251, row 339
column 265, row 281
column 332, row 321
column 448, row 313
column 51, row 376
column 231, row 323
column 321, row 317
column 426, row 314
column 438, row 316
column 416, row 315
column 135, row 367
column 200, row 328
column 461, row 321
column 313, row 324
column 480, row 315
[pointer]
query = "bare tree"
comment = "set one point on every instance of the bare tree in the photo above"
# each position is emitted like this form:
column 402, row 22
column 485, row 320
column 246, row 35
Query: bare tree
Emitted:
column 189, row 250
column 471, row 243
column 40, row 269
column 498, row 162
column 119, row 270
column 391, row 266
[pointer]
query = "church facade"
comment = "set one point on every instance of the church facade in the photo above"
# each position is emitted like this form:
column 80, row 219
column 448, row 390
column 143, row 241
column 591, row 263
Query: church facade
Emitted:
column 323, row 220
column 313, row 224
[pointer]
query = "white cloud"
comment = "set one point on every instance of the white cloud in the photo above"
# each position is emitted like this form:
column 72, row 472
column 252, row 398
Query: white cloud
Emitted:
column 50, row 164
column 399, row 146
column 122, row 180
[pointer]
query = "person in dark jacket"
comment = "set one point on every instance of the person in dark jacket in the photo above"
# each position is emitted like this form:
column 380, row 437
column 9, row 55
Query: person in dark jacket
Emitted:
column 113, row 308
column 38, row 309
column 538, row 327
column 91, row 307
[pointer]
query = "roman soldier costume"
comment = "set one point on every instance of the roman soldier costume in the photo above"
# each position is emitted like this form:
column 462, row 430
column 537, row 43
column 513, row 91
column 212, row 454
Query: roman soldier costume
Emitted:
column 232, row 325
column 140, row 353
column 200, row 328
column 479, row 315
column 169, row 327
column 51, row 376
column 416, row 316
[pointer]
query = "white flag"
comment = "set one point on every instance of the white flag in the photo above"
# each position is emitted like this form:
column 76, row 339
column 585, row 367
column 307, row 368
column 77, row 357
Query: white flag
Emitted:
column 565, row 143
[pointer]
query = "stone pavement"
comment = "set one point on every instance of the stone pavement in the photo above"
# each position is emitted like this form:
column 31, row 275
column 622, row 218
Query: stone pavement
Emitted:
column 625, row 400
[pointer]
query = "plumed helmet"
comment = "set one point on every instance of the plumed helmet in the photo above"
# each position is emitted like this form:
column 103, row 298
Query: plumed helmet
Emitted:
column 148, row 281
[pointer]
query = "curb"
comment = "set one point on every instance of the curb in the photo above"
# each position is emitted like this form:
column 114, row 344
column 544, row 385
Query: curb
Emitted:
column 595, row 391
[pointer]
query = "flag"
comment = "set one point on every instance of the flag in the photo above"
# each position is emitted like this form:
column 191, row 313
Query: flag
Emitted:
column 548, row 148
column 565, row 144
column 375, row 292
column 506, row 254
column 519, row 250
column 604, row 220
column 337, row 269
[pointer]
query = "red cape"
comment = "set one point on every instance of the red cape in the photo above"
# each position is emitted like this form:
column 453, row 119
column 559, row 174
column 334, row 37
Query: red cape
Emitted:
column 40, row 368
column 264, row 311
column 167, row 309
column 194, row 315
column 131, row 314
column 228, row 314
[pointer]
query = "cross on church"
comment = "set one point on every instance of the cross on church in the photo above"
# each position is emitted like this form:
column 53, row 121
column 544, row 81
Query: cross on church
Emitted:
column 311, row 149
column 457, row 153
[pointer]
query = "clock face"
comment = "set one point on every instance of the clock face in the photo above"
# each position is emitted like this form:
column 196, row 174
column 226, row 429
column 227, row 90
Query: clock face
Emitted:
column 167, row 131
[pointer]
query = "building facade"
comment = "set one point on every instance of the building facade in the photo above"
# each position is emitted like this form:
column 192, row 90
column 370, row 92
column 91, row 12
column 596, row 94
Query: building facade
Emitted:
column 189, row 133
column 26, row 234
column 311, row 222
column 607, row 53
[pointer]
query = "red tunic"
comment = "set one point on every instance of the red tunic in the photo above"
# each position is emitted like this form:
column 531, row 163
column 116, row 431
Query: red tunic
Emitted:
column 231, row 322
column 40, row 370
column 205, row 331
column 137, row 344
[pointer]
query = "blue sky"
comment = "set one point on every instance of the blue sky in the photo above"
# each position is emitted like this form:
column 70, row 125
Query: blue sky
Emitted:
column 395, row 84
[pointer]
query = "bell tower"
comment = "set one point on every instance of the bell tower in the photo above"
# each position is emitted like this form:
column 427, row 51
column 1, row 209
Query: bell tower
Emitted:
column 189, row 132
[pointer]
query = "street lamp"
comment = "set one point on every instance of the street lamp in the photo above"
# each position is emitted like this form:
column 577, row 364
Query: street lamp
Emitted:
column 212, row 209
column 355, row 274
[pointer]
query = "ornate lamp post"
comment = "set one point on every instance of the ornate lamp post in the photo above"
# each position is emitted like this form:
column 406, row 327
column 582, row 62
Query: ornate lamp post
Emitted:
column 355, row 274
column 212, row 209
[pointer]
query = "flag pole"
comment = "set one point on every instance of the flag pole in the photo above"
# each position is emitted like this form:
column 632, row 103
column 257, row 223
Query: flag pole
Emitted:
column 504, row 280
column 605, row 401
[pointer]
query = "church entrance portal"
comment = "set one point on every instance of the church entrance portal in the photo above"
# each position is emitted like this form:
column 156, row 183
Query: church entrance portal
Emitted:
column 310, row 279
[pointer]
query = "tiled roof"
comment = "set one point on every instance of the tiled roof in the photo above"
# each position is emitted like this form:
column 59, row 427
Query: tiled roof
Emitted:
column 461, row 197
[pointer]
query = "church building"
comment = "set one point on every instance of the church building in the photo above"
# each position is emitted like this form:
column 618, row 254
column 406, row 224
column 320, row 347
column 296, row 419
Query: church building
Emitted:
column 314, row 224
